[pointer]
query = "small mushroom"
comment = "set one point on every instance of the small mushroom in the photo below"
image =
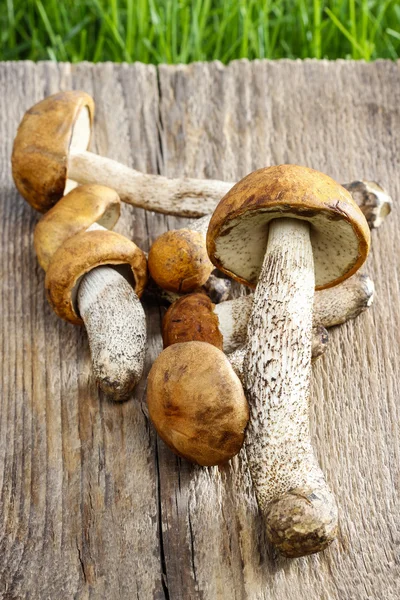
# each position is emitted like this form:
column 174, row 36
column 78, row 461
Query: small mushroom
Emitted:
column 178, row 260
column 50, row 155
column 197, row 404
column 179, row 264
column 286, row 230
column 195, row 317
column 71, row 242
column 196, row 314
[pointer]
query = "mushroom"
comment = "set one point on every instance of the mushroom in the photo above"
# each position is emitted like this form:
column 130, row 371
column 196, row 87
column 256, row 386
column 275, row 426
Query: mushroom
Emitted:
column 195, row 317
column 50, row 154
column 197, row 404
column 287, row 230
column 71, row 241
column 194, row 314
column 178, row 259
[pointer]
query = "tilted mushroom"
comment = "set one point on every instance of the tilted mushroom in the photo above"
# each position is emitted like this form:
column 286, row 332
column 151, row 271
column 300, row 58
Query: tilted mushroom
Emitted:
column 195, row 314
column 287, row 230
column 71, row 241
column 50, row 151
column 195, row 318
column 197, row 404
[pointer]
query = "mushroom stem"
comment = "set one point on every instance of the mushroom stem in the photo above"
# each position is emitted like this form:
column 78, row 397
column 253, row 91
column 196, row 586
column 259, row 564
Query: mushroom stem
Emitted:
column 300, row 510
column 332, row 306
column 187, row 197
column 116, row 327
column 319, row 343
column 180, row 197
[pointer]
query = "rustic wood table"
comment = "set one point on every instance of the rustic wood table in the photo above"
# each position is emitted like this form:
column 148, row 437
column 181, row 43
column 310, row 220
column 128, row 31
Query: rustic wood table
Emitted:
column 92, row 505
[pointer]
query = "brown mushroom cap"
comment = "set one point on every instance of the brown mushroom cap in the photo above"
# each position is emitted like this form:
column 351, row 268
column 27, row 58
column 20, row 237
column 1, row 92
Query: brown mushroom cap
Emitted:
column 84, row 252
column 178, row 261
column 41, row 146
column 75, row 212
column 191, row 318
column 238, row 232
column 197, row 404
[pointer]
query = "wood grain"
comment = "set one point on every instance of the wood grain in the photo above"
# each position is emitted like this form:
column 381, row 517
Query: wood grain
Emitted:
column 92, row 505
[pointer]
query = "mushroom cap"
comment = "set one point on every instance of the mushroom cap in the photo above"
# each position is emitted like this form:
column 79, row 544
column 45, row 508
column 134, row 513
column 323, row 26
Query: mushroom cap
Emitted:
column 197, row 404
column 81, row 253
column 191, row 318
column 238, row 232
column 41, row 146
column 75, row 212
column 178, row 261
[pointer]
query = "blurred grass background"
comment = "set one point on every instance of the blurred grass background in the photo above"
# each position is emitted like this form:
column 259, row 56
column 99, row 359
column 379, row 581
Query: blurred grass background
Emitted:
column 173, row 31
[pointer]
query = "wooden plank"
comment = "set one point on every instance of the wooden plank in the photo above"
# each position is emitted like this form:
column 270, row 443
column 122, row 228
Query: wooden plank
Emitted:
column 91, row 504
column 79, row 490
column 340, row 118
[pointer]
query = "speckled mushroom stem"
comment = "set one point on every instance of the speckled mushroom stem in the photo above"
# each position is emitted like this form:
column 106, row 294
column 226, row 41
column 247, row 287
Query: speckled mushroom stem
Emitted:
column 188, row 197
column 300, row 510
column 319, row 343
column 332, row 306
column 116, row 327
column 181, row 197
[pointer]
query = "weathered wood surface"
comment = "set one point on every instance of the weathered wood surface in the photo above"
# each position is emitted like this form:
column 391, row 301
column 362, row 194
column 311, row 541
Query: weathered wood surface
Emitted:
column 91, row 504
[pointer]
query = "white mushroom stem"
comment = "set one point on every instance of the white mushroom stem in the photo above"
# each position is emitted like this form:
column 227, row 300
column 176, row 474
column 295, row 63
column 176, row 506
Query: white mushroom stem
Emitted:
column 300, row 511
column 319, row 343
column 332, row 306
column 184, row 197
column 181, row 197
column 116, row 326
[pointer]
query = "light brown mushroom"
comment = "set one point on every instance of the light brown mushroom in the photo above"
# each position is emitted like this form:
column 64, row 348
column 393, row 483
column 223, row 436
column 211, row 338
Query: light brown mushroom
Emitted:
column 178, row 259
column 197, row 404
column 99, row 296
column 286, row 230
column 50, row 154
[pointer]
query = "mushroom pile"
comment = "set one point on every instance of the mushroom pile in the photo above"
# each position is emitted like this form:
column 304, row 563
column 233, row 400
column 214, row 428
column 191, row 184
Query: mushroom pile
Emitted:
column 234, row 372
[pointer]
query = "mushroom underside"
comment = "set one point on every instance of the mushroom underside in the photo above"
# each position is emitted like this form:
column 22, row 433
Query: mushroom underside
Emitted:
column 241, row 244
column 80, row 139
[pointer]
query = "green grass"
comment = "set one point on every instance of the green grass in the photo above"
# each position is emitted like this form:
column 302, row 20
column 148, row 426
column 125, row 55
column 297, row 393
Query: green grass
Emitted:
column 174, row 31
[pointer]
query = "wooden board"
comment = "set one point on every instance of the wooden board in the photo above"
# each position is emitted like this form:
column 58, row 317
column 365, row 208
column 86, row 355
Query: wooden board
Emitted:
column 92, row 505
